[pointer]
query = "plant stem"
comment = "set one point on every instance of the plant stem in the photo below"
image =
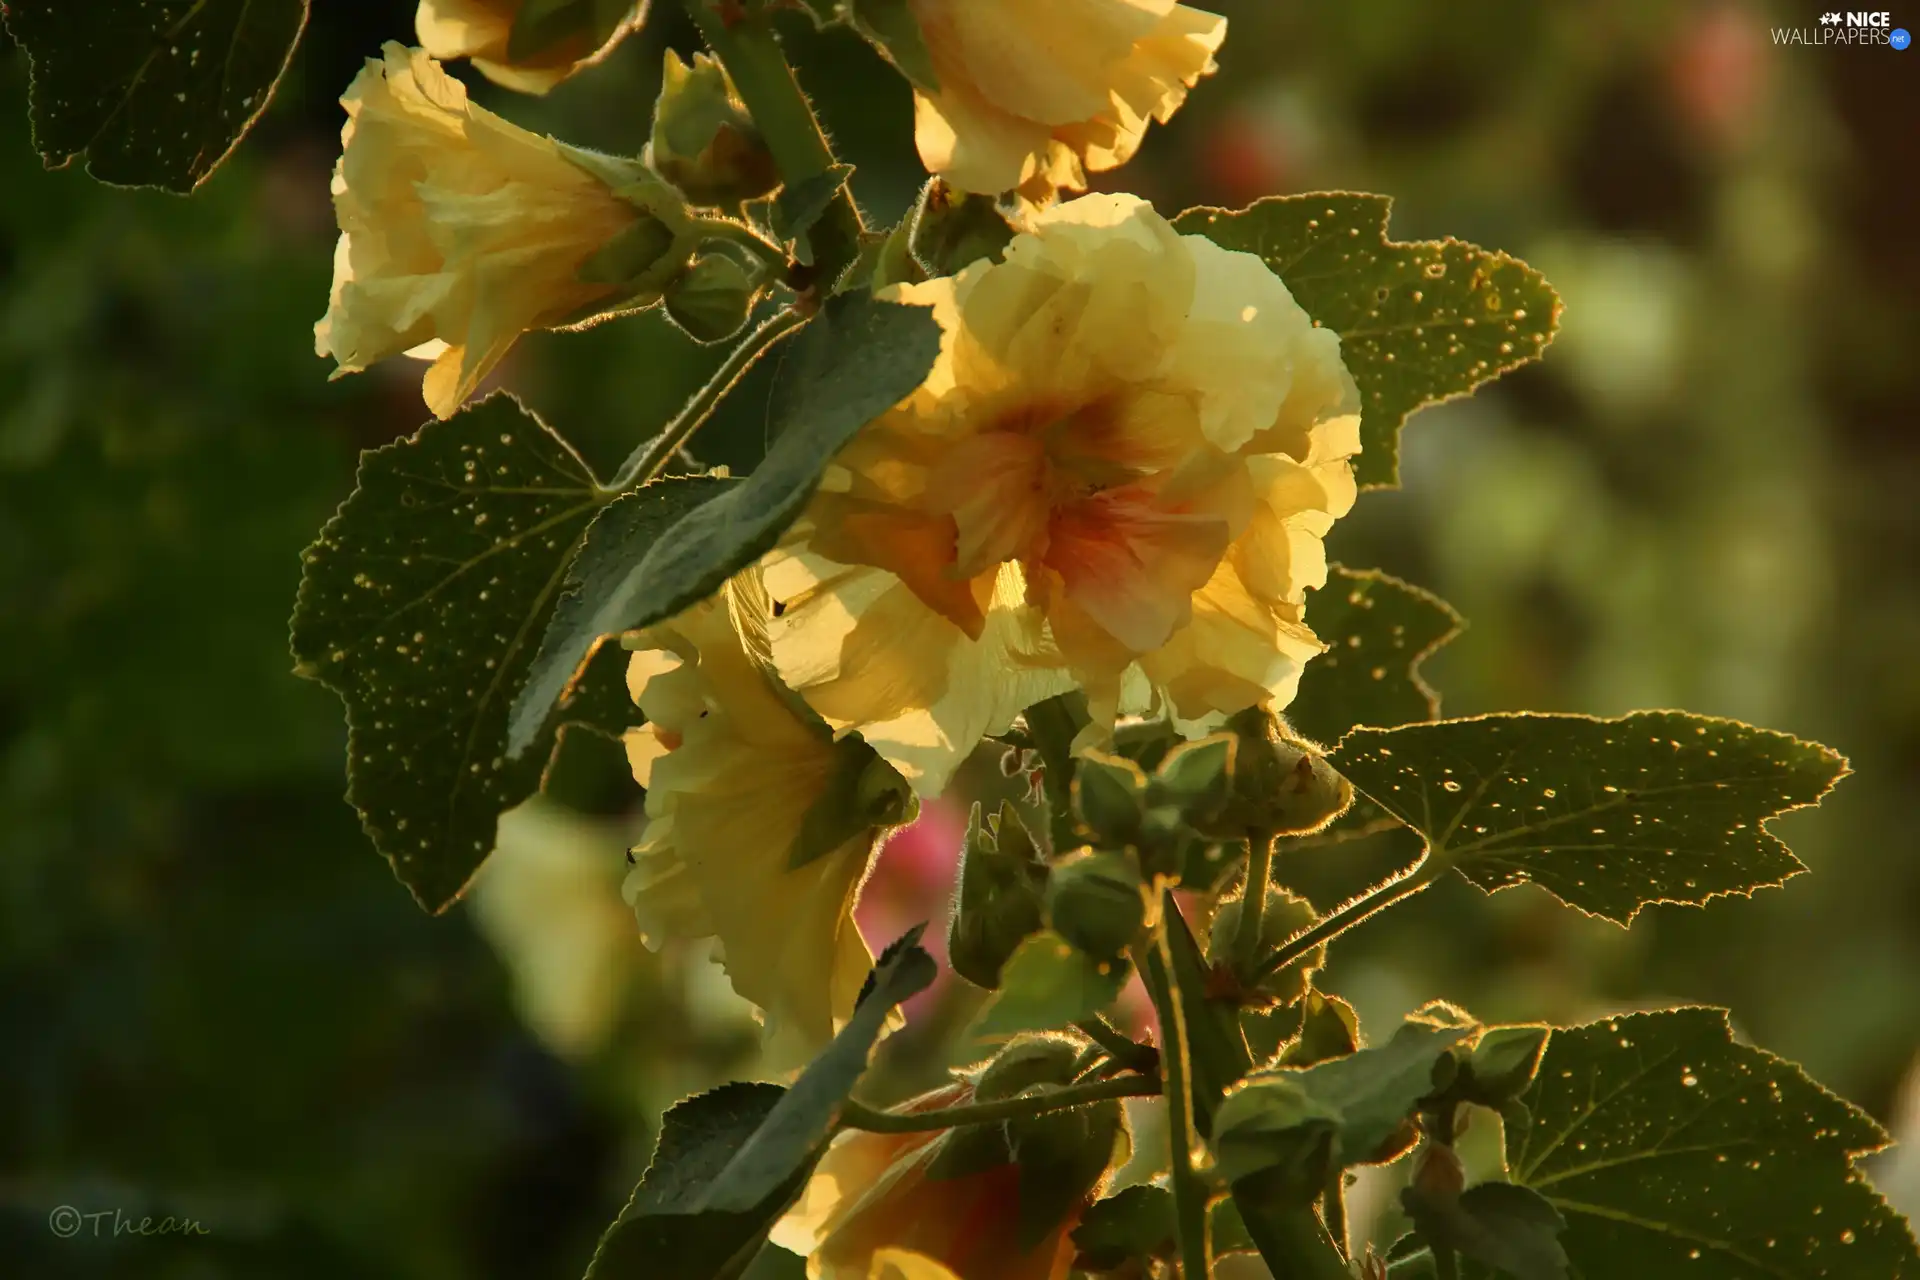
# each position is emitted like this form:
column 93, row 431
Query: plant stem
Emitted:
column 1253, row 903
column 751, row 53
column 651, row 458
column 1333, row 1209
column 1122, row 1050
column 1370, row 903
column 1176, row 1067
column 856, row 1115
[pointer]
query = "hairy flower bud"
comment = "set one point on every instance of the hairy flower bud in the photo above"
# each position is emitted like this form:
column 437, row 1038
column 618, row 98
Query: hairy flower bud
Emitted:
column 711, row 300
column 952, row 229
column 1109, row 797
column 1283, row 785
column 1097, row 902
column 1002, row 887
column 704, row 141
column 1283, row 916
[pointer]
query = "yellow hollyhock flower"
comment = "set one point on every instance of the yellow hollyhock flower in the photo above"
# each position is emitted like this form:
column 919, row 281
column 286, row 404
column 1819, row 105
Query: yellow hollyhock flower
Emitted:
column 483, row 29
column 1034, row 96
column 460, row 231
column 870, row 1206
column 737, row 781
column 1116, row 476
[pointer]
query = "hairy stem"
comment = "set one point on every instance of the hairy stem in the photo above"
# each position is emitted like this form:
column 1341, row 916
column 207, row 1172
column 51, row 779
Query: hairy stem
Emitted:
column 1333, row 1210
column 856, row 1115
column 1176, row 1066
column 1253, row 903
column 1119, row 1047
column 751, row 53
column 747, row 238
column 1368, row 904
column 651, row 458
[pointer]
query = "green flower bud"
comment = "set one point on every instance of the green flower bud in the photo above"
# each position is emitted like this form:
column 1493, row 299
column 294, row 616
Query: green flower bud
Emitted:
column 1269, row 1129
column 643, row 259
column 1097, row 902
column 1283, row 785
column 1283, row 916
column 1002, row 887
column 1109, row 797
column 863, row 795
column 704, row 141
column 952, row 229
column 712, row 299
column 1028, row 1060
column 1196, row 778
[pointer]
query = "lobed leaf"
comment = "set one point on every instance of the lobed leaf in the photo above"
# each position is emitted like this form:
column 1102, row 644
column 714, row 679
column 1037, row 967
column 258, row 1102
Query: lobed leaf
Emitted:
column 154, row 93
column 1607, row 815
column 420, row 604
column 1419, row 322
column 601, row 593
column 854, row 361
column 1378, row 630
column 1675, row 1154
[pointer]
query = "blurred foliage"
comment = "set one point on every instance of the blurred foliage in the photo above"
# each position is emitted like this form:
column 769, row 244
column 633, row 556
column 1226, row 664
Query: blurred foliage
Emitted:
column 216, row 1002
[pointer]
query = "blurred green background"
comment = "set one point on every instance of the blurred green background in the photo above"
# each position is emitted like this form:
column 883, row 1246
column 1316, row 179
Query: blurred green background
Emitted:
column 216, row 1002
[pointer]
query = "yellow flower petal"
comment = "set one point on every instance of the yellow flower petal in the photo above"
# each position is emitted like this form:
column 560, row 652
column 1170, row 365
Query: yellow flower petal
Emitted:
column 482, row 30
column 731, row 772
column 1116, row 477
column 1033, row 96
column 458, row 230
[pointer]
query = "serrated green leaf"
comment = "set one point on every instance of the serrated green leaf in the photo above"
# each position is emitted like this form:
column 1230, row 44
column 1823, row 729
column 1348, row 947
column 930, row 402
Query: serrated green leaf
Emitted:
column 1047, row 984
column 663, row 1234
column 1607, row 815
column 1676, row 1154
column 154, row 93
column 600, row 599
column 1135, row 1223
column 854, row 361
column 1378, row 630
column 799, row 205
column 420, row 604
column 1375, row 1090
column 1419, row 322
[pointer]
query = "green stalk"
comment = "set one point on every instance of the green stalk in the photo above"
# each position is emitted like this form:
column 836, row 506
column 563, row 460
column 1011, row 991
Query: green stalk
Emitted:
column 651, row 458
column 747, row 47
column 1368, row 904
column 1253, row 903
column 1333, row 1208
column 1122, row 1050
column 857, row 1115
column 1176, row 1065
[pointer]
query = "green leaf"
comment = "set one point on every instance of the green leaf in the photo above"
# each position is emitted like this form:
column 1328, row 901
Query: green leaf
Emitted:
column 854, row 361
column 420, row 604
column 1135, row 1223
column 1419, row 322
column 600, row 598
column 1047, row 984
column 663, row 1234
column 730, row 1162
column 1378, row 630
column 1607, row 815
column 154, row 93
column 1676, row 1154
column 801, row 204
column 1510, row 1228
column 892, row 26
column 1375, row 1090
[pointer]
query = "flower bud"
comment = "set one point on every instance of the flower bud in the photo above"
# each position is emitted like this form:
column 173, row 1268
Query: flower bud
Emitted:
column 863, row 793
column 1284, row 916
column 1285, row 786
column 1028, row 1060
column 712, row 298
column 1109, row 797
column 1196, row 778
column 1002, row 888
column 704, row 142
column 1097, row 902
